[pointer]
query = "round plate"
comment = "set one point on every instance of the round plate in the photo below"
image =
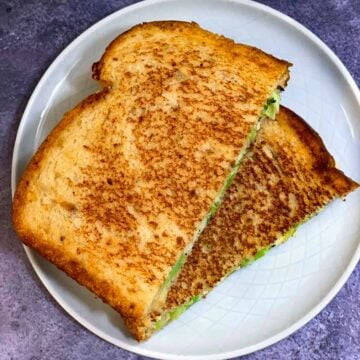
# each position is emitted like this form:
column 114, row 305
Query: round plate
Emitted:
column 272, row 298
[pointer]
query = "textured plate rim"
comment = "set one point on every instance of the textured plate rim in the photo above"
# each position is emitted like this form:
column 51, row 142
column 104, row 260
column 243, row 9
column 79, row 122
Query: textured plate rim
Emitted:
column 161, row 355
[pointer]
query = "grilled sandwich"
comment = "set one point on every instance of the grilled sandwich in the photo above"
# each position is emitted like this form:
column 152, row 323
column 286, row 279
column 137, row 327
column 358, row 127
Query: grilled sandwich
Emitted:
column 121, row 189
column 287, row 177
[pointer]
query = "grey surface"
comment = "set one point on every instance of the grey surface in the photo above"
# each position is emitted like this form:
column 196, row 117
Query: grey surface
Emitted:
column 32, row 325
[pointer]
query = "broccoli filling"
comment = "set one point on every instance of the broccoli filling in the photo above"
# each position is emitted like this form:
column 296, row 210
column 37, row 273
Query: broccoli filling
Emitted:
column 270, row 110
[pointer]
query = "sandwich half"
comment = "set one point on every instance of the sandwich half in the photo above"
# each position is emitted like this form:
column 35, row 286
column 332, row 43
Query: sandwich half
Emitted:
column 286, row 178
column 121, row 189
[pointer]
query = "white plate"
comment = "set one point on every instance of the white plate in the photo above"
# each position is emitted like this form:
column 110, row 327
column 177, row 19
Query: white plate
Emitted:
column 269, row 300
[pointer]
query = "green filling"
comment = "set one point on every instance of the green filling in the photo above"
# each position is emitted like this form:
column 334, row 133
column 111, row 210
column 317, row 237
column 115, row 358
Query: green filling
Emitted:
column 288, row 234
column 253, row 134
column 257, row 256
column 265, row 249
column 215, row 205
column 272, row 105
column 162, row 322
column 175, row 269
column 270, row 109
column 175, row 313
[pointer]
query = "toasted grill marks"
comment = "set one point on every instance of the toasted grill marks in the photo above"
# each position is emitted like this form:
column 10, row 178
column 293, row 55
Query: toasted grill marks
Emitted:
column 179, row 180
column 139, row 164
column 287, row 176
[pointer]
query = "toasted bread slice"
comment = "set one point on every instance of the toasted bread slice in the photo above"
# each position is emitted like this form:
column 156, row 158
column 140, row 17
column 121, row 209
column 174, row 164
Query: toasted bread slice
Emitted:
column 286, row 177
column 123, row 186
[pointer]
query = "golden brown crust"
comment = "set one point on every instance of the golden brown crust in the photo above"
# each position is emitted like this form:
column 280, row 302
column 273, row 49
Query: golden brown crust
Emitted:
column 287, row 176
column 118, row 189
column 65, row 260
column 228, row 48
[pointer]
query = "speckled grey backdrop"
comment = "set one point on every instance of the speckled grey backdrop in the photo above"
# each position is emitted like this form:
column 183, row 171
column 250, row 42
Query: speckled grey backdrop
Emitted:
column 32, row 325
